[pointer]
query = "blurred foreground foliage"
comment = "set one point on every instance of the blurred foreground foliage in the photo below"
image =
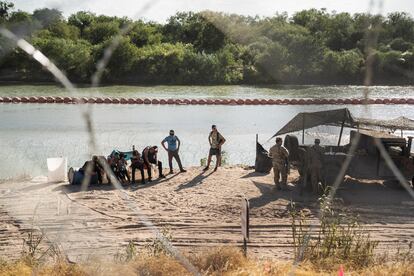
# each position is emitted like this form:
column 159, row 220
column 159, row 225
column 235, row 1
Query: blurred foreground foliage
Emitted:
column 310, row 47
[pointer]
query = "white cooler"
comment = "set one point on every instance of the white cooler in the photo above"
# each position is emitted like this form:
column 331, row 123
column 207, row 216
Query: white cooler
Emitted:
column 57, row 169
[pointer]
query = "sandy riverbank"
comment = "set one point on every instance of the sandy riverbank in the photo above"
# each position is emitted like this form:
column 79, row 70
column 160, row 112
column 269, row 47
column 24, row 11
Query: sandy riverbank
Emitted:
column 200, row 209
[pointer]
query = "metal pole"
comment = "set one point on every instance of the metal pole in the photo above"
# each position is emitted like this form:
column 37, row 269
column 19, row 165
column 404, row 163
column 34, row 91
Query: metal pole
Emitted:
column 244, row 247
column 340, row 134
column 303, row 130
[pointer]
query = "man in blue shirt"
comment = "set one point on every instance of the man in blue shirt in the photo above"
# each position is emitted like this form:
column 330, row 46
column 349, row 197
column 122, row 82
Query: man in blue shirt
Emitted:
column 172, row 150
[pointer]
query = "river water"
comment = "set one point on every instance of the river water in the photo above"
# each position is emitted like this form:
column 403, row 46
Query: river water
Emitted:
column 30, row 133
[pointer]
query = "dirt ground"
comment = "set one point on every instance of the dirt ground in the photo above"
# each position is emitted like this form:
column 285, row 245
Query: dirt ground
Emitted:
column 199, row 209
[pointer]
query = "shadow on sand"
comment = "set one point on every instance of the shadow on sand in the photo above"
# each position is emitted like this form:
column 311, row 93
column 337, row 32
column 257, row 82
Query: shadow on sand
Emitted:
column 110, row 187
column 269, row 194
column 194, row 182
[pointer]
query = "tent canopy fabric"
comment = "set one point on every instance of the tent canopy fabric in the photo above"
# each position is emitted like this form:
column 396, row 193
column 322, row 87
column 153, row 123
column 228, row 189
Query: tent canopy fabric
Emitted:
column 305, row 120
column 401, row 122
column 342, row 117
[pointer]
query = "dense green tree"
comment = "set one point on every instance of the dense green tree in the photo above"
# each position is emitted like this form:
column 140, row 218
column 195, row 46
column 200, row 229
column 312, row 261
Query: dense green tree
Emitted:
column 5, row 8
column 99, row 32
column 46, row 16
column 81, row 20
column 312, row 46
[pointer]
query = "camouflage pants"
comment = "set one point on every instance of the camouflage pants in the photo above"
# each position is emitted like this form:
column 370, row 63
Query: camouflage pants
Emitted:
column 279, row 170
column 316, row 177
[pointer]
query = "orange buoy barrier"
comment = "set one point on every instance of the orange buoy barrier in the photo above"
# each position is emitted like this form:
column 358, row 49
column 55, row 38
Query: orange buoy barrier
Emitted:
column 59, row 99
column 304, row 101
column 15, row 100
column 399, row 101
column 41, row 100
column 240, row 101
column 217, row 101
column 248, row 102
column 91, row 100
column 356, row 101
column 24, row 99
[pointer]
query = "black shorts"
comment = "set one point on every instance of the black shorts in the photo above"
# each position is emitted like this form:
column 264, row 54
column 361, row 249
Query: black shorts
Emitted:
column 216, row 152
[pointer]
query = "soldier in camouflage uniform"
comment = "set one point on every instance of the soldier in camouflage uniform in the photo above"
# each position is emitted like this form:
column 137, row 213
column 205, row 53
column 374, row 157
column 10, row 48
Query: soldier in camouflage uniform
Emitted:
column 279, row 155
column 315, row 162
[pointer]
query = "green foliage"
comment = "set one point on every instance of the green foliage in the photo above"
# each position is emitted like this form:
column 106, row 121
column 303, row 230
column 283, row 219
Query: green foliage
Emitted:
column 5, row 8
column 46, row 16
column 338, row 239
column 312, row 46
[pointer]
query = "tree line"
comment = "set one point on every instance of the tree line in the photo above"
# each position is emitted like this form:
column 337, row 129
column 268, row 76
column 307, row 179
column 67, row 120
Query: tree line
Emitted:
column 310, row 47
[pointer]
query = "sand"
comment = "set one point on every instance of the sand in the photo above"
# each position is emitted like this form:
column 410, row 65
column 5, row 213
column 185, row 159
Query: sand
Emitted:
column 199, row 209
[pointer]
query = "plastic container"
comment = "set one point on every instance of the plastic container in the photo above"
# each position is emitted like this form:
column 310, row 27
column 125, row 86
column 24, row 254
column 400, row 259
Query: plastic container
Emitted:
column 57, row 169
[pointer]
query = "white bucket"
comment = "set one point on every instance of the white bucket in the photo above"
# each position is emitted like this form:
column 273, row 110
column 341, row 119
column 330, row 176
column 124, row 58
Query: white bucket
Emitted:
column 57, row 169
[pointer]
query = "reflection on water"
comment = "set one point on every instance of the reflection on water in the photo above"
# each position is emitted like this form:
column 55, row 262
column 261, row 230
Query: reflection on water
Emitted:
column 230, row 91
column 32, row 132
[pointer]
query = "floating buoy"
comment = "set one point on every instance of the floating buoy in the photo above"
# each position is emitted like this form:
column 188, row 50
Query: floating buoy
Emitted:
column 255, row 101
column 24, row 99
column 240, row 101
column 400, row 101
column 58, row 99
column 16, row 100
column 356, row 101
column 301, row 102
column 50, row 99
column 91, row 100
column 41, row 100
